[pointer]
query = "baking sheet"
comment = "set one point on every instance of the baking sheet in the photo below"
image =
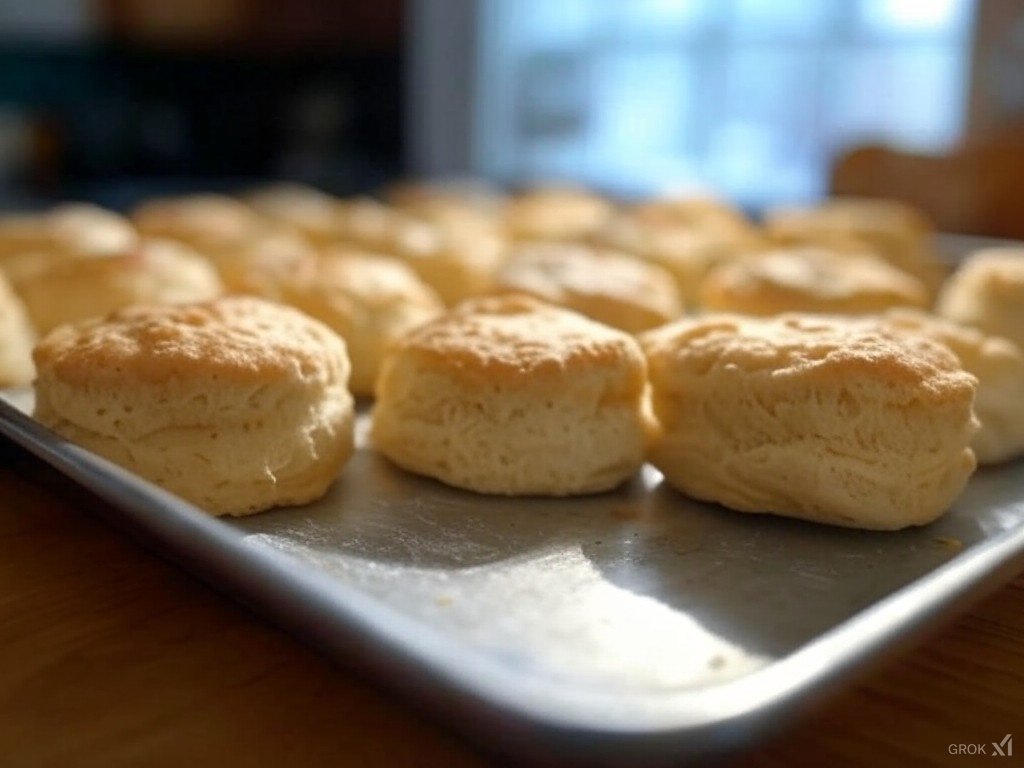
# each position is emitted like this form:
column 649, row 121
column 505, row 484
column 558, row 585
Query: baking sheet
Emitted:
column 591, row 629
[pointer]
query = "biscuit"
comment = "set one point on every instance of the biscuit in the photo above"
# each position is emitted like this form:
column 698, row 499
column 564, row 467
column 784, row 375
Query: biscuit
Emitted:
column 207, row 222
column 369, row 300
column 83, row 229
column 259, row 265
column 809, row 279
column 16, row 339
column 690, row 212
column 507, row 395
column 611, row 288
column 556, row 213
column 30, row 243
column 997, row 363
column 77, row 228
column 155, row 272
column 458, row 262
column 987, row 291
column 890, row 229
column 367, row 223
column 474, row 194
column 812, row 417
column 687, row 252
column 236, row 405
column 24, row 232
column 301, row 208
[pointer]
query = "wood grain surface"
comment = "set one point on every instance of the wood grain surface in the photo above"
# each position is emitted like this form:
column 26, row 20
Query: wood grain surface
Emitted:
column 112, row 657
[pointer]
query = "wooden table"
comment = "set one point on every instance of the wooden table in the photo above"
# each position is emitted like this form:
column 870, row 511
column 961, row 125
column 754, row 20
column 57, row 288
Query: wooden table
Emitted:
column 112, row 657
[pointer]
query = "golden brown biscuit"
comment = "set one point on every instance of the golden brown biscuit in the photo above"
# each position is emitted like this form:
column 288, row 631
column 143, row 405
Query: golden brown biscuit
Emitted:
column 370, row 300
column 298, row 207
column 155, row 272
column 890, row 229
column 237, row 405
column 76, row 228
column 687, row 251
column 456, row 261
column 24, row 233
column 459, row 194
column 29, row 243
column 690, row 212
column 508, row 395
column 612, row 288
column 556, row 213
column 987, row 292
column 207, row 222
column 809, row 279
column 997, row 363
column 16, row 339
column 813, row 417
column 84, row 229
column 259, row 265
column 368, row 223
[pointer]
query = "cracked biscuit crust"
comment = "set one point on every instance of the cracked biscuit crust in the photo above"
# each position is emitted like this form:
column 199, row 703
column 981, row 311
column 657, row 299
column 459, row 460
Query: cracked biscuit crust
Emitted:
column 508, row 395
column 820, row 418
column 237, row 404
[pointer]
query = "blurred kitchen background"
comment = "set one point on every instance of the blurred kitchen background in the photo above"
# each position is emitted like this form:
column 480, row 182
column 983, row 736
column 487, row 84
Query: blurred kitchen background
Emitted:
column 762, row 101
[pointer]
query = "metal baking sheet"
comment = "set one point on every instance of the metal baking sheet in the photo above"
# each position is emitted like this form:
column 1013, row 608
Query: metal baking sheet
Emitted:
column 596, row 630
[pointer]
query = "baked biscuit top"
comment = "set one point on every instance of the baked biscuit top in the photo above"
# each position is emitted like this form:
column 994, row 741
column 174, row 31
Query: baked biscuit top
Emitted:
column 827, row 349
column 515, row 336
column 237, row 339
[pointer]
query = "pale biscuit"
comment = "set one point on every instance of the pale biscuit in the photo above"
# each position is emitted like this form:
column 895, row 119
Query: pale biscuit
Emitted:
column 813, row 417
column 237, row 405
column 16, row 339
column 207, row 222
column 22, row 233
column 370, row 224
column 809, row 279
column 890, row 229
column 76, row 228
column 692, row 212
column 997, row 363
column 83, row 229
column 508, row 395
column 456, row 260
column 259, row 265
column 460, row 223
column 612, row 288
column 987, row 291
column 154, row 272
column 298, row 207
column 457, row 193
column 29, row 243
column 687, row 251
column 369, row 300
column 556, row 213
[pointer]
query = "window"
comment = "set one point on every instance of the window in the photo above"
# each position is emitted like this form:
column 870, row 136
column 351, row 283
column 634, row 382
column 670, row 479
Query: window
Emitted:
column 753, row 98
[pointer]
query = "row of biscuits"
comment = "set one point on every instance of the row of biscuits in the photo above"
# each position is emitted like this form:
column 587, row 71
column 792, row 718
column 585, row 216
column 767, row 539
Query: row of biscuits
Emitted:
column 615, row 264
column 240, row 404
column 307, row 249
column 461, row 246
column 456, row 242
